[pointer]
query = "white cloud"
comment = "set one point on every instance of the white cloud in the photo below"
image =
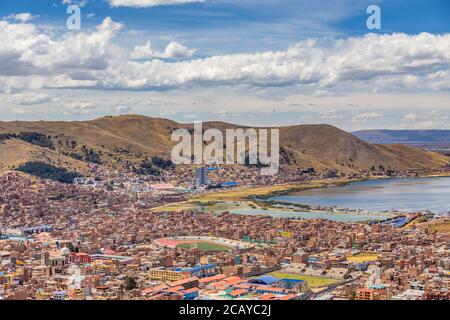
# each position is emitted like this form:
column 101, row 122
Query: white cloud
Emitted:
column 331, row 115
column 22, row 17
column 30, row 98
column 30, row 58
column 79, row 108
column 411, row 117
column 174, row 50
column 123, row 109
column 80, row 3
column 426, row 120
column 367, row 116
column 359, row 61
column 148, row 3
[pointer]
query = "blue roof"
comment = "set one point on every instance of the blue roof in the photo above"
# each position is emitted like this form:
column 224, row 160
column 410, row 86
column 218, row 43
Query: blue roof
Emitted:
column 230, row 183
column 268, row 280
column 196, row 268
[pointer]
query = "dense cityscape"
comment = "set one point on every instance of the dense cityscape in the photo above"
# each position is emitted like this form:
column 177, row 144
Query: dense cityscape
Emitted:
column 224, row 158
column 102, row 238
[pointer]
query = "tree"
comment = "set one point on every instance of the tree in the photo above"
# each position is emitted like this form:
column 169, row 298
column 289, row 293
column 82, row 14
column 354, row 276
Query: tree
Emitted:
column 130, row 283
column 71, row 247
column 48, row 171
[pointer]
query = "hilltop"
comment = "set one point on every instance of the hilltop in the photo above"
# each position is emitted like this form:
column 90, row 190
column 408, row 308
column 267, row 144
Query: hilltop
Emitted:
column 125, row 142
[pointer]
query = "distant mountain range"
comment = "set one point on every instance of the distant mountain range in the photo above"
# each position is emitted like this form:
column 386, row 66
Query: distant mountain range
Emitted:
column 131, row 142
column 404, row 136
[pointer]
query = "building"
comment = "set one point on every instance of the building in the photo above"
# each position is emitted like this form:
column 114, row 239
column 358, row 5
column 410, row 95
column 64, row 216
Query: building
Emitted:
column 201, row 176
column 166, row 275
column 162, row 187
column 372, row 293
column 79, row 258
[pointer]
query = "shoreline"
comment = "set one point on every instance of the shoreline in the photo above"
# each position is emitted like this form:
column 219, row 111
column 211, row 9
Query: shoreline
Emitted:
column 257, row 197
column 249, row 194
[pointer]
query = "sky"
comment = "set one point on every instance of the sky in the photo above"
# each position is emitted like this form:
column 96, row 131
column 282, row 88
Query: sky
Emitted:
column 262, row 63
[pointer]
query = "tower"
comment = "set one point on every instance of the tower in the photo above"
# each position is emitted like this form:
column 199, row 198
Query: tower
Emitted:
column 45, row 257
column 201, row 176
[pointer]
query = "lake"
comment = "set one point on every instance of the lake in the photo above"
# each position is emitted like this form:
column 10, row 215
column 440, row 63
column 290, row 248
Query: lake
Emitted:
column 339, row 217
column 409, row 195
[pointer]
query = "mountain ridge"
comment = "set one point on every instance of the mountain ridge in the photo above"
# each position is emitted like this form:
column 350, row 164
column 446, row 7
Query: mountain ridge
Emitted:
column 404, row 136
column 123, row 142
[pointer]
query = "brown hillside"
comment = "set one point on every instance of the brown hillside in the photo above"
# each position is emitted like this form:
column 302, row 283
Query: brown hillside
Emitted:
column 13, row 153
column 122, row 140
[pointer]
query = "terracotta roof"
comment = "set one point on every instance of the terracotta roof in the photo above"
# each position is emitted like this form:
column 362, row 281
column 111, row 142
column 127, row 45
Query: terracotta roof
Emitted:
column 182, row 281
column 175, row 289
column 288, row 297
column 238, row 292
column 191, row 290
column 267, row 296
column 233, row 280
column 213, row 278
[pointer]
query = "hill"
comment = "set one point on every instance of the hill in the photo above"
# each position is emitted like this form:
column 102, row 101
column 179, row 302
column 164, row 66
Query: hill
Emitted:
column 404, row 136
column 126, row 142
column 14, row 153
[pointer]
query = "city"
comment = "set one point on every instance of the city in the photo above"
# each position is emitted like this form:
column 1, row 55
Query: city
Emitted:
column 83, row 242
column 224, row 158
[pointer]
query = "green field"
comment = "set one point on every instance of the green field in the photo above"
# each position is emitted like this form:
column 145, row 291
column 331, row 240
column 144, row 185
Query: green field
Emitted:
column 205, row 246
column 313, row 282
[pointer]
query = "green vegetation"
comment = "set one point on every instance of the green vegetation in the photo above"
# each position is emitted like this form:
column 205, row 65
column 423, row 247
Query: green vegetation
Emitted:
column 153, row 167
column 35, row 138
column 5, row 136
column 313, row 282
column 162, row 163
column 90, row 155
column 205, row 246
column 130, row 283
column 147, row 168
column 72, row 248
column 47, row 171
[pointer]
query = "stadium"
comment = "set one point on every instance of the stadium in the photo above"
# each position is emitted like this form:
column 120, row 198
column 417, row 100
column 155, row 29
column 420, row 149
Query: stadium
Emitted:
column 203, row 243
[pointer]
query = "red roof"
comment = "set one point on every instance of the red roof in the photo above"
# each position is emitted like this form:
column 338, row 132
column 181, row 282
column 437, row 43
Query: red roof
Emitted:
column 191, row 290
column 233, row 280
column 182, row 281
column 237, row 293
column 213, row 278
column 288, row 297
column 175, row 289
column 153, row 289
column 267, row 296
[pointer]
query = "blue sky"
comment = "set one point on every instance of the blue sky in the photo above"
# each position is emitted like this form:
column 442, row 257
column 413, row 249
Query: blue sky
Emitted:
column 219, row 26
column 263, row 62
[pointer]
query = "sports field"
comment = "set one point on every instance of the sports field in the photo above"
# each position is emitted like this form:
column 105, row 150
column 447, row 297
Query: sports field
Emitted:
column 313, row 282
column 205, row 246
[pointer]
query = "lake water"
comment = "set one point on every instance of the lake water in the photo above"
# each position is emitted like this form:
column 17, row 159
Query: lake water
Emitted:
column 348, row 217
column 409, row 195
